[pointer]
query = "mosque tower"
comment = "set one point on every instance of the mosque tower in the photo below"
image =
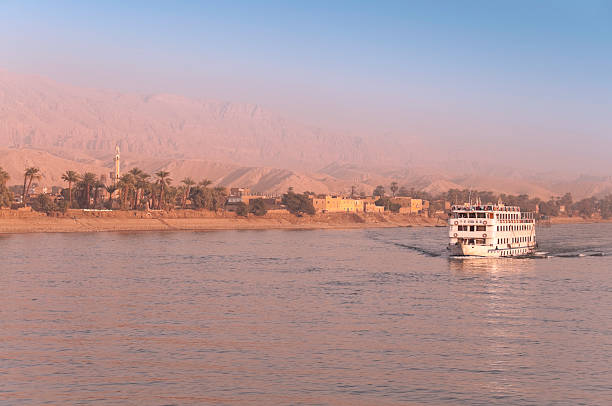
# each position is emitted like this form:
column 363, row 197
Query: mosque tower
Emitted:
column 117, row 158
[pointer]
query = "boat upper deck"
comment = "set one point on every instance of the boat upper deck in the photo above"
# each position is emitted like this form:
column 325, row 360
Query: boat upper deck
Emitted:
column 485, row 207
column 499, row 212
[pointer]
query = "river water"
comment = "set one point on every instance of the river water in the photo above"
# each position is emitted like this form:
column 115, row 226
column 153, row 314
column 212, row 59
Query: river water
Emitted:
column 325, row 317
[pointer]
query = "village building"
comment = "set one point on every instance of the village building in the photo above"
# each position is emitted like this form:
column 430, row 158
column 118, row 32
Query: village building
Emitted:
column 371, row 207
column 341, row 204
column 409, row 205
column 243, row 195
column 337, row 204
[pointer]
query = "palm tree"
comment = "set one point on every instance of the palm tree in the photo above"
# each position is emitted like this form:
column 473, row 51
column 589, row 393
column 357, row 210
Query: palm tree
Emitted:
column 88, row 181
column 140, row 182
column 219, row 197
column 136, row 174
column 188, row 183
column 110, row 189
column 97, row 186
column 30, row 174
column 163, row 181
column 4, row 177
column 5, row 196
column 126, row 185
column 205, row 183
column 70, row 177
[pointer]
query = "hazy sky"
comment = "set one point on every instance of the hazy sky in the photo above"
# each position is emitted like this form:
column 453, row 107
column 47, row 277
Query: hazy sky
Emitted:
column 535, row 73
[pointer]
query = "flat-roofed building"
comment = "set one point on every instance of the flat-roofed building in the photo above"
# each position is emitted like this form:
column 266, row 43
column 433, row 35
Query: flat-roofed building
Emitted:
column 337, row 204
column 371, row 207
column 408, row 205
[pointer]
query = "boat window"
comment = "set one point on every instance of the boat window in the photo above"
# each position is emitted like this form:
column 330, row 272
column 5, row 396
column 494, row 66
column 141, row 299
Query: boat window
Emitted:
column 471, row 228
column 481, row 215
column 472, row 215
column 481, row 228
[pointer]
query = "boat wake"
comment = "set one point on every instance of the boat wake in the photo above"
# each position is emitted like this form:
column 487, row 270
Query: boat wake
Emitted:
column 420, row 250
column 417, row 249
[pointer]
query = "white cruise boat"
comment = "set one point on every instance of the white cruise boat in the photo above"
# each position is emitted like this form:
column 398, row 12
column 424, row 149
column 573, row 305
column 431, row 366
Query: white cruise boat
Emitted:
column 491, row 231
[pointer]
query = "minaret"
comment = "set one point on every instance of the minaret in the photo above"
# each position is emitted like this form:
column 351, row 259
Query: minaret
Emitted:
column 117, row 173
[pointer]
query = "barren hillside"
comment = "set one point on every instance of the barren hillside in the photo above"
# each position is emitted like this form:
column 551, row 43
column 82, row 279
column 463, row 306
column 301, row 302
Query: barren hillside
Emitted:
column 59, row 127
column 39, row 113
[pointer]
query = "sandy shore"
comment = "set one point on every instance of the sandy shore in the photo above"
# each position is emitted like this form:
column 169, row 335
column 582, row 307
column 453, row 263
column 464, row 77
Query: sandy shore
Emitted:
column 576, row 220
column 128, row 221
column 79, row 221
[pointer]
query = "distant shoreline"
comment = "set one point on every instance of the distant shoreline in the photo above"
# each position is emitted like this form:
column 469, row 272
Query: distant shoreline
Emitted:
column 576, row 220
column 179, row 221
column 189, row 220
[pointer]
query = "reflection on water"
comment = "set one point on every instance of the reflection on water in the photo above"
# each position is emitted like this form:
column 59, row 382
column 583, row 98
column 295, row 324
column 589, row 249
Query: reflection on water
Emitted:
column 491, row 265
column 354, row 317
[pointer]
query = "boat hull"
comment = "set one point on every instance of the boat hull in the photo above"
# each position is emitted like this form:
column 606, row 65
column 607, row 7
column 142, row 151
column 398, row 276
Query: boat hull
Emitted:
column 485, row 251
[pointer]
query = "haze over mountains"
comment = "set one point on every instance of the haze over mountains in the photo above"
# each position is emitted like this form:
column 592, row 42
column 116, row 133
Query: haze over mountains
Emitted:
column 59, row 127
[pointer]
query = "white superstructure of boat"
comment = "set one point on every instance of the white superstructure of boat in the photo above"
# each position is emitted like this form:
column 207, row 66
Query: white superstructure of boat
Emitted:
column 491, row 231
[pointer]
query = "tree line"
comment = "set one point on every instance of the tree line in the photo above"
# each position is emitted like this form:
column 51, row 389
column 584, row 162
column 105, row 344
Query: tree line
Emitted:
column 552, row 207
column 134, row 190
column 138, row 190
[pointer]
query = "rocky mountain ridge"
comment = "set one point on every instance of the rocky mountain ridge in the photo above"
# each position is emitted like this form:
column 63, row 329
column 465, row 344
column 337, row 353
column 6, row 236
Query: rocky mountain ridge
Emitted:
column 59, row 127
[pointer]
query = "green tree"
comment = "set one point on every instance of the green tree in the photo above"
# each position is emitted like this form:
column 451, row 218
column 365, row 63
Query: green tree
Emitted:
column 388, row 205
column 257, row 207
column 205, row 183
column 141, row 185
column 394, row 188
column 126, row 187
column 188, row 182
column 6, row 197
column 87, row 182
column 379, row 191
column 110, row 189
column 71, row 177
column 4, row 177
column 242, row 209
column 97, row 187
column 298, row 204
column 605, row 205
column 566, row 200
column 404, row 192
column 30, row 174
column 219, row 197
column 44, row 203
column 163, row 180
column 586, row 207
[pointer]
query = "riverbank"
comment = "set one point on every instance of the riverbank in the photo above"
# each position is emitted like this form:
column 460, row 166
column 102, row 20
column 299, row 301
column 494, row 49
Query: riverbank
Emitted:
column 26, row 221
column 577, row 220
column 79, row 221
